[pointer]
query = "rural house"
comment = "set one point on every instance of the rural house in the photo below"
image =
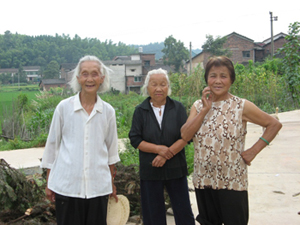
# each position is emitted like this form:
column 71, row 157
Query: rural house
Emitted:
column 66, row 71
column 46, row 84
column 242, row 50
column 32, row 73
column 263, row 49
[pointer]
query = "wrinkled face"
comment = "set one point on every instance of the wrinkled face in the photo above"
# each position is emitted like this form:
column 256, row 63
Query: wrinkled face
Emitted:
column 158, row 87
column 90, row 77
column 219, row 81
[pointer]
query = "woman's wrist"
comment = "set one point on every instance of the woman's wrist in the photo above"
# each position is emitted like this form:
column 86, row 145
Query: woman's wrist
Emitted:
column 171, row 151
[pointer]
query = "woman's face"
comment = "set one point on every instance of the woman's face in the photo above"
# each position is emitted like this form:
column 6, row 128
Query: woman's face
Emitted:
column 219, row 81
column 90, row 77
column 158, row 87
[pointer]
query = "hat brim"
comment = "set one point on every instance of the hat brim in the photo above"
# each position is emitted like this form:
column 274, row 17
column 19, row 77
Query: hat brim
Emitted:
column 118, row 212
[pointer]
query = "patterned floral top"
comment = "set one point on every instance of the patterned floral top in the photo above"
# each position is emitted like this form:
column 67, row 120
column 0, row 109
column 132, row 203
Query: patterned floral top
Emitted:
column 218, row 146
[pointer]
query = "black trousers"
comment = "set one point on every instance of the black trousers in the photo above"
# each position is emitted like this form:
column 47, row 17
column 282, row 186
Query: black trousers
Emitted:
column 153, row 202
column 78, row 211
column 217, row 207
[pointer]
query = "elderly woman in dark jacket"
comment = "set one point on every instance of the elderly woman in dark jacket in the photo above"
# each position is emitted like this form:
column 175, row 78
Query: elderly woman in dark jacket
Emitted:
column 155, row 132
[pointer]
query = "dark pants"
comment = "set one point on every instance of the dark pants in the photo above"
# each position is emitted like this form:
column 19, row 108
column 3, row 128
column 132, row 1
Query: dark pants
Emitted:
column 153, row 202
column 222, row 206
column 78, row 211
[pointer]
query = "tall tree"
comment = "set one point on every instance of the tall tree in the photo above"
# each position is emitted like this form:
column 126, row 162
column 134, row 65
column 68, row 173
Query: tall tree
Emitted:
column 52, row 70
column 175, row 53
column 215, row 46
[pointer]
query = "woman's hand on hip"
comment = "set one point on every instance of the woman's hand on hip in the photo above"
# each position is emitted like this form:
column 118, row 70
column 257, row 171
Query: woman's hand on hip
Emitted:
column 248, row 156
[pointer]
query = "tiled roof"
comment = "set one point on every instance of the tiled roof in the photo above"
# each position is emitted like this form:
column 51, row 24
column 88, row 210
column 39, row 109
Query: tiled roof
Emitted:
column 53, row 81
column 241, row 36
column 9, row 70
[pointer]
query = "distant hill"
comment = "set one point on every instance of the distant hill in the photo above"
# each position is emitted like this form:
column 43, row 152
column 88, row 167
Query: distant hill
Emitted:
column 157, row 47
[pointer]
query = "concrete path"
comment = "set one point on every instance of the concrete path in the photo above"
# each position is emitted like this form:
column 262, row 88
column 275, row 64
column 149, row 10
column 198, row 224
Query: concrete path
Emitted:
column 274, row 176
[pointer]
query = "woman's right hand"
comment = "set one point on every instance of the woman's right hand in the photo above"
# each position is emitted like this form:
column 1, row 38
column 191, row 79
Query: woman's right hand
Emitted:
column 164, row 151
column 207, row 98
column 50, row 195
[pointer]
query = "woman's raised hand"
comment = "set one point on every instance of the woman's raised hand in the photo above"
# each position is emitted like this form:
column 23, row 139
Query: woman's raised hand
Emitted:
column 207, row 98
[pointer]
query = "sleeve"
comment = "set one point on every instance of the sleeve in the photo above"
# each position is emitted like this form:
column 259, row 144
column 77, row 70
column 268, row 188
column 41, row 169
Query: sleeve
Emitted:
column 198, row 105
column 53, row 140
column 135, row 133
column 111, row 140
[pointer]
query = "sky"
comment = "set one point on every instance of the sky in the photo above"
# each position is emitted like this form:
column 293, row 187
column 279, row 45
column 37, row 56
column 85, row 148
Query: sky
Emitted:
column 143, row 22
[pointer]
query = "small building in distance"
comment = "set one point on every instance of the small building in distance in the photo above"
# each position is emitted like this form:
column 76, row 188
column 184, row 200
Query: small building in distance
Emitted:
column 46, row 84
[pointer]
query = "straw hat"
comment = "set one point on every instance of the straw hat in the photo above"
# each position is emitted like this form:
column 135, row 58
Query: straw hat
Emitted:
column 118, row 212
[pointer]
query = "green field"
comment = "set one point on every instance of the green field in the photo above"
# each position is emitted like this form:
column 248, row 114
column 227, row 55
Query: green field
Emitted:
column 10, row 93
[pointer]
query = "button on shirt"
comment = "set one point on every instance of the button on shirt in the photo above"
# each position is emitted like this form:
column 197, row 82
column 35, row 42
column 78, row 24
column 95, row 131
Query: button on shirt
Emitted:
column 80, row 148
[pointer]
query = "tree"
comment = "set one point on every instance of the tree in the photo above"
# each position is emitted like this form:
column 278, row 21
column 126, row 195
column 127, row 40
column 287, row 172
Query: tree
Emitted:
column 174, row 53
column 291, row 61
column 8, row 40
column 22, row 77
column 215, row 46
column 52, row 70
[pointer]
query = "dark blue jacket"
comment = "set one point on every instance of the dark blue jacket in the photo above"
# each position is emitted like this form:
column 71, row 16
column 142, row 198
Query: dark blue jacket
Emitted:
column 146, row 128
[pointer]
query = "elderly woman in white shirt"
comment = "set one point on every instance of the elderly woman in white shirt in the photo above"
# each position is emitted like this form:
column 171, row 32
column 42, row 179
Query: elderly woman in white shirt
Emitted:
column 82, row 148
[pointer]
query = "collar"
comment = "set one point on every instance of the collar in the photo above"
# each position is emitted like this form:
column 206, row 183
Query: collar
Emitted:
column 146, row 103
column 98, row 105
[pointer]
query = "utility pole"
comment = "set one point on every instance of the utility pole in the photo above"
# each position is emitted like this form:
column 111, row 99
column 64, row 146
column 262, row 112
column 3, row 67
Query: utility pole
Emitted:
column 272, row 40
column 190, row 58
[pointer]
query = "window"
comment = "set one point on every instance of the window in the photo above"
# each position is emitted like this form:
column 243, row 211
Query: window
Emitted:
column 137, row 79
column 246, row 54
column 147, row 63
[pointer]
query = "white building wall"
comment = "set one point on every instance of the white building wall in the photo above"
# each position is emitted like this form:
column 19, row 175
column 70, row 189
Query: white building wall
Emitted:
column 133, row 70
column 135, row 57
column 117, row 77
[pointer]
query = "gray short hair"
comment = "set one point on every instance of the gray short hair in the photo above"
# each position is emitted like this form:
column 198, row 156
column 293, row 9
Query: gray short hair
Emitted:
column 157, row 71
column 105, row 71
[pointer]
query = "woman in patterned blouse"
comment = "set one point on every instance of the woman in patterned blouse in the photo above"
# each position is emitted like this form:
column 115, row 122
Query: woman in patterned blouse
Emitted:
column 217, row 124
